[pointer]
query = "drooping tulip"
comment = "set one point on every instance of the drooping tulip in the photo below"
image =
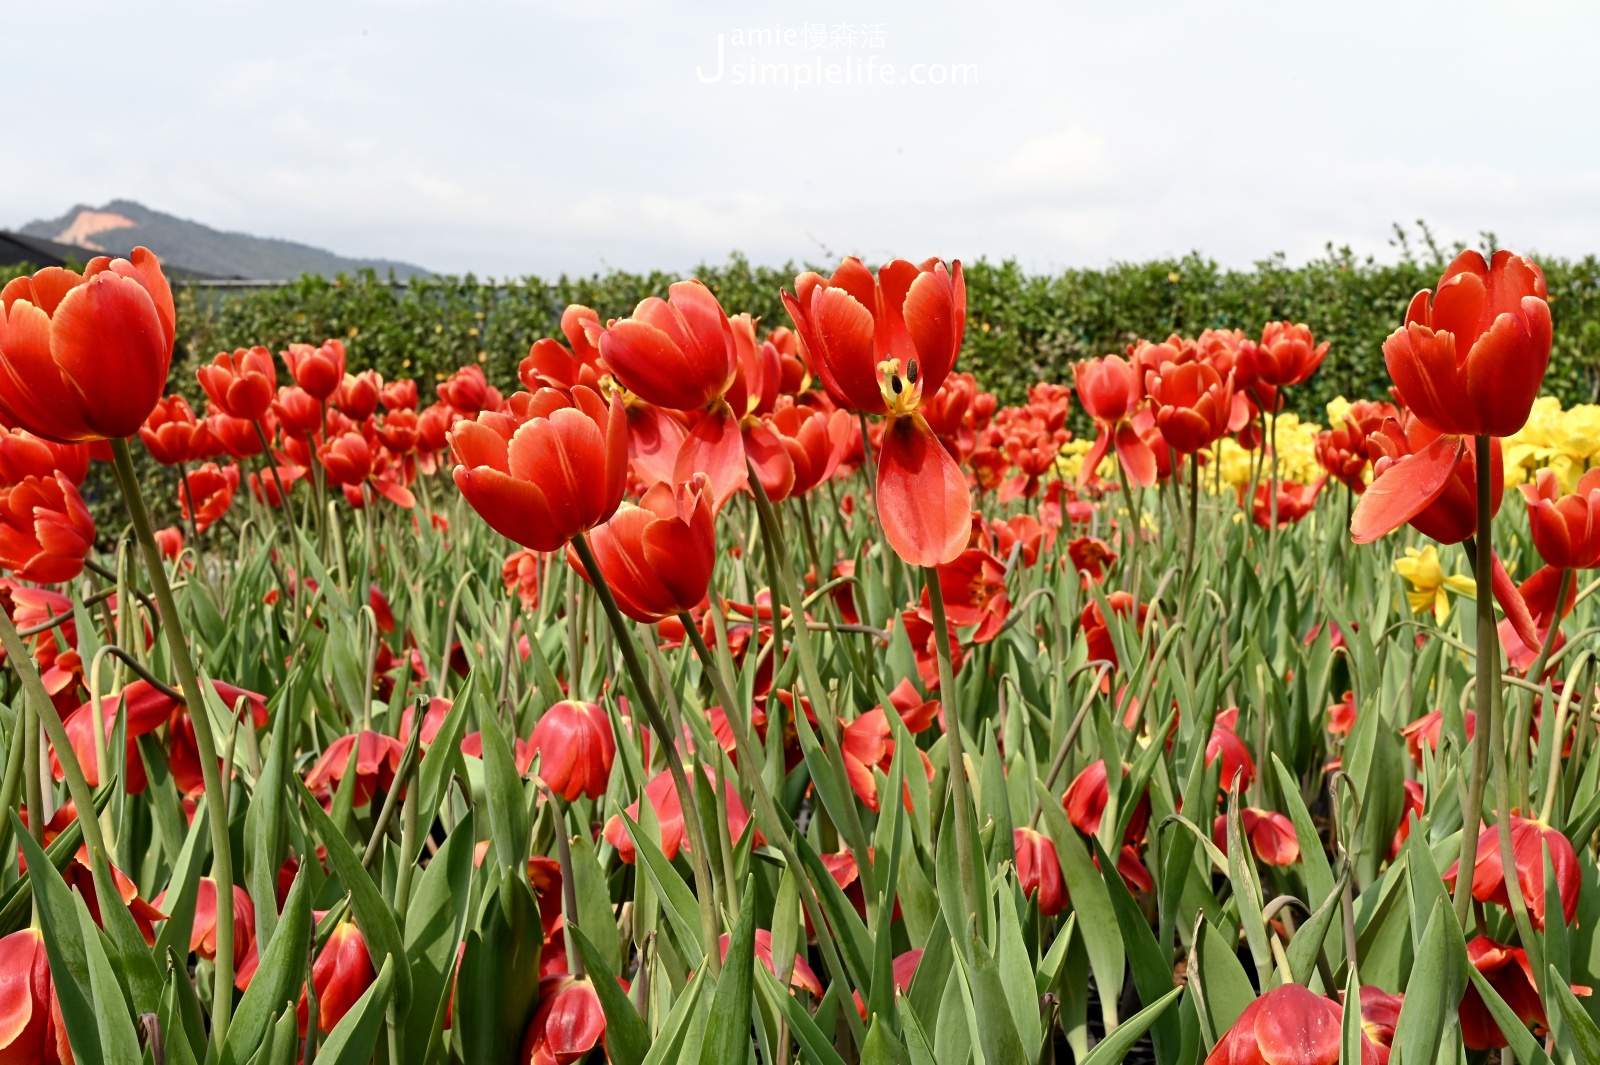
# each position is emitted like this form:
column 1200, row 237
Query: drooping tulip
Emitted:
column 657, row 557
column 575, row 747
column 567, row 1024
column 1529, row 839
column 1470, row 361
column 559, row 473
column 340, row 975
column 1511, row 975
column 1270, row 834
column 1039, row 870
column 242, row 384
column 320, row 370
column 85, row 357
column 46, row 531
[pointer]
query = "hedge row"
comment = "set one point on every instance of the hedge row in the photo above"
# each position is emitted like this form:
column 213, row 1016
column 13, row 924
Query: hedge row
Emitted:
column 1022, row 327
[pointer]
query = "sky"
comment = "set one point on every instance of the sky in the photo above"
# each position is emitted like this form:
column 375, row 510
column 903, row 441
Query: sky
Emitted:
column 514, row 137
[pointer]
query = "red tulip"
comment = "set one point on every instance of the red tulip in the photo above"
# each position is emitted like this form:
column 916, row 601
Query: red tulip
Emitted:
column 575, row 748
column 1271, row 835
column 1288, row 1025
column 520, row 573
column 1425, row 479
column 265, row 487
column 31, row 1028
column 341, row 975
column 213, row 488
column 1380, row 1012
column 1023, row 529
column 1566, row 528
column 553, row 364
column 45, row 530
column 86, row 357
column 657, row 557
column 920, row 631
column 1528, row 842
column 298, row 412
column 203, row 939
column 1192, row 404
column 676, row 353
column 1342, row 715
column 319, row 371
column 241, row 385
column 399, row 395
column 1287, row 354
column 917, row 713
column 377, row 761
column 1414, row 804
column 1471, row 362
column 170, row 541
column 903, row 970
column 24, row 455
column 974, row 590
column 814, row 442
column 1086, row 798
column 467, row 390
column 1509, row 973
column 1426, row 730
column 1343, row 450
column 663, row 796
column 865, row 742
column 1039, row 871
column 172, row 433
column 78, row 874
column 924, row 504
column 399, row 431
column 347, row 458
column 567, row 1025
column 1093, row 624
column 1092, row 557
column 1110, row 392
column 357, row 396
column 1295, row 501
column 559, row 473
column 1226, row 744
column 801, row 975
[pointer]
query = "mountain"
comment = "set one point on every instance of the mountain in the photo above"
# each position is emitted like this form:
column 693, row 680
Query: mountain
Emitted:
column 119, row 226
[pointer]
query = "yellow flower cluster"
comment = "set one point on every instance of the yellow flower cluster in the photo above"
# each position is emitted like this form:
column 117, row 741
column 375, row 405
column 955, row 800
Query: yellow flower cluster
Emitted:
column 1070, row 461
column 1297, row 453
column 1567, row 441
column 1430, row 587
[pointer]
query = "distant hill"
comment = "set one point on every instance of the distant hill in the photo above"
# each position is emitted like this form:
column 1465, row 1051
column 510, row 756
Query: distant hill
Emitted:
column 121, row 225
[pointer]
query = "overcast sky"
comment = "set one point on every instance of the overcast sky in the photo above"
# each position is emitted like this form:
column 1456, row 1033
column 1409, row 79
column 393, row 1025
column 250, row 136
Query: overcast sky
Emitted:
column 514, row 137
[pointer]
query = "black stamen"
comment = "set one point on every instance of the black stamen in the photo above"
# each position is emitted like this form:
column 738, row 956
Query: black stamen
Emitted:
column 911, row 371
column 894, row 383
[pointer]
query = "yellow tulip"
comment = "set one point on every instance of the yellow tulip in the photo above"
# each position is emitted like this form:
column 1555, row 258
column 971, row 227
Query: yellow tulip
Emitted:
column 1430, row 588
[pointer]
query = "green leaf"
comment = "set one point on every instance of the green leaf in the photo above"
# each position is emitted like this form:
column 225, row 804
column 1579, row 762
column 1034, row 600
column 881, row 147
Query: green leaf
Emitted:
column 178, row 931
column 132, row 957
column 1152, row 976
column 1097, row 920
column 1115, row 1046
column 594, row 901
column 669, row 1039
column 119, row 1044
column 882, row 1048
column 372, row 913
column 56, row 907
column 815, row 1047
column 1313, row 860
column 1309, row 937
column 1438, row 978
column 1351, row 1036
column 855, row 945
column 1247, row 888
column 1226, row 989
column 1585, row 1034
column 264, row 827
column 435, row 921
column 497, row 988
column 727, row 1038
column 1016, row 974
column 352, row 1040
column 997, row 1033
column 279, row 978
column 677, row 901
column 627, row 1038
column 506, row 800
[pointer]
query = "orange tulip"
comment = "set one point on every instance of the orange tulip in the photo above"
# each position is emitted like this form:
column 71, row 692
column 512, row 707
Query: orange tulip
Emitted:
column 318, row 370
column 1287, row 354
column 657, row 556
column 23, row 455
column 1192, row 404
column 86, row 357
column 213, row 488
column 575, row 748
column 559, row 473
column 1471, row 361
column 1566, row 528
column 45, row 530
column 242, row 384
column 1110, row 392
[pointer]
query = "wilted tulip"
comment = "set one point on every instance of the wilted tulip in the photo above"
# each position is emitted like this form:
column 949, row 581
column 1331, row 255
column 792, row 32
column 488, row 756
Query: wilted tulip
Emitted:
column 319, row 371
column 45, row 530
column 1471, row 361
column 575, row 747
column 241, row 385
column 560, row 473
column 86, row 357
column 1270, row 834
column 1529, row 839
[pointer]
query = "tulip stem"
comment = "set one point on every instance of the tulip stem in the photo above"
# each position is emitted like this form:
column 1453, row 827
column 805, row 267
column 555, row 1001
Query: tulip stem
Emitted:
column 966, row 861
column 1488, row 672
column 705, row 891
column 205, row 742
column 283, row 493
column 569, row 887
column 1536, row 675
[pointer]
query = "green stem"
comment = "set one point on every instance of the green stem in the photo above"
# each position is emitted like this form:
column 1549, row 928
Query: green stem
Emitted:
column 705, row 891
column 966, row 861
column 1525, row 703
column 205, row 742
column 1488, row 674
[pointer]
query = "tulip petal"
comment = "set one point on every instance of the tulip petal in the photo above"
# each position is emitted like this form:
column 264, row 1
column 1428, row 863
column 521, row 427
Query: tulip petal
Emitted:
column 515, row 509
column 715, row 448
column 847, row 361
column 771, row 460
column 1095, row 455
column 923, row 500
column 1136, row 456
column 1510, row 600
column 935, row 318
column 1405, row 489
column 112, row 348
column 654, row 440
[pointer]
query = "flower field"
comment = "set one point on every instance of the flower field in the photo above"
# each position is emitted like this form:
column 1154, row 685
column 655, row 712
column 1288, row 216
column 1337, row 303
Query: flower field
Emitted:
column 727, row 689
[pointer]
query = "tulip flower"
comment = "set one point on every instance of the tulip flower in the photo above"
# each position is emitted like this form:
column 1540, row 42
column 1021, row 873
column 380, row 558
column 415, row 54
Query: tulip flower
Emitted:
column 1380, row 1012
column 265, row 488
column 575, row 748
column 974, row 589
column 1093, row 558
column 1342, row 715
column 31, row 1029
column 1095, row 632
column 677, row 353
column 553, row 364
column 880, row 345
column 1566, row 528
column 657, row 557
column 1086, row 798
column 1022, row 530
column 298, row 412
column 568, row 1023
column 203, row 938
column 1414, row 803
column 319, row 371
column 1226, row 744
column 921, row 634
column 467, row 390
column 1288, row 1025
column 347, row 458
column 1271, row 835
column 24, row 455
column 1193, row 404
column 213, row 488
column 917, row 713
column 1509, row 973
column 1529, row 839
column 815, row 443
column 1110, row 392
column 340, row 975
column 1470, row 362
column 357, row 396
column 85, row 357
column 1039, row 871
column 241, row 385
column 46, row 531
column 1426, row 730
column 172, row 433
column 1343, row 450
column 170, row 541
column 1429, row 585
column 865, row 742
column 903, row 969
column 79, row 874
column 668, row 808
column 377, row 761
column 559, row 473
column 1295, row 501
column 399, row 431
column 520, row 574
column 801, row 976
column 1287, row 354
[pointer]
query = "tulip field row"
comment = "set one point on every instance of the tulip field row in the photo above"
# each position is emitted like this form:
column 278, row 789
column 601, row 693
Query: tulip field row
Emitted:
column 732, row 690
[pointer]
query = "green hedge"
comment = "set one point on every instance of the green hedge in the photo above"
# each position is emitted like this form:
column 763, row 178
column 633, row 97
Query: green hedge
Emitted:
column 1022, row 326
